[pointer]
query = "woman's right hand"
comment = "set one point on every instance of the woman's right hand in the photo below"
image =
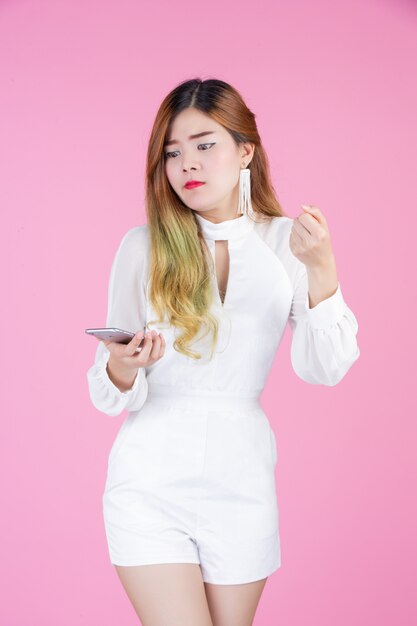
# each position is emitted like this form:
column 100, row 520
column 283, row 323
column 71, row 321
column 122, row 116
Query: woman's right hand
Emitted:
column 127, row 357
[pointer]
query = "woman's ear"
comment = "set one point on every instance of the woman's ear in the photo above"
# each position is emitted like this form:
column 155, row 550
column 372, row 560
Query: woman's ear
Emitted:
column 247, row 152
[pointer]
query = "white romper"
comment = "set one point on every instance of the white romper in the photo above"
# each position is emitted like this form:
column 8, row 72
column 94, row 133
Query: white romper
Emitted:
column 191, row 473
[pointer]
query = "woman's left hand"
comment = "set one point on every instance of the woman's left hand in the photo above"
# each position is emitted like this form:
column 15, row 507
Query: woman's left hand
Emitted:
column 310, row 239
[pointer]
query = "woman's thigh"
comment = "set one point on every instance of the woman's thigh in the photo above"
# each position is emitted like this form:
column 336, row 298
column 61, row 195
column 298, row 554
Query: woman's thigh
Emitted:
column 167, row 593
column 234, row 605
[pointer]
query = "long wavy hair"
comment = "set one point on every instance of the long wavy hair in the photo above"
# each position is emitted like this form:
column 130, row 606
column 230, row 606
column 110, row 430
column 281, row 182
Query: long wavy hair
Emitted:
column 181, row 265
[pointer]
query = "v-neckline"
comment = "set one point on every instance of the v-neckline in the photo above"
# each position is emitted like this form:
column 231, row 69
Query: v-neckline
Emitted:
column 221, row 303
column 231, row 230
column 216, row 279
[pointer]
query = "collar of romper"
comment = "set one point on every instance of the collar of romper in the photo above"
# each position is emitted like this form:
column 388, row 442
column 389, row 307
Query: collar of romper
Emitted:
column 228, row 229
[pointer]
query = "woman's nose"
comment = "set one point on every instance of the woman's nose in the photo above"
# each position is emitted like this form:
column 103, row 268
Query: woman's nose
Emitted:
column 188, row 164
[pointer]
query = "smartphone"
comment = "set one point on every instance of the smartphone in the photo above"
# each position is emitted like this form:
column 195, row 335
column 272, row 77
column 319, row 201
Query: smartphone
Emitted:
column 112, row 334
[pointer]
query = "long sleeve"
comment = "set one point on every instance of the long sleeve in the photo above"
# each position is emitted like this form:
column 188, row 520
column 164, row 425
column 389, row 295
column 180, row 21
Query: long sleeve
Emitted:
column 324, row 344
column 126, row 310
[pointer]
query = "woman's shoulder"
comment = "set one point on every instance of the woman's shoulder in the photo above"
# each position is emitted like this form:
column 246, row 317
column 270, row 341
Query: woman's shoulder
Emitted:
column 136, row 232
column 136, row 235
column 276, row 234
column 135, row 241
column 275, row 230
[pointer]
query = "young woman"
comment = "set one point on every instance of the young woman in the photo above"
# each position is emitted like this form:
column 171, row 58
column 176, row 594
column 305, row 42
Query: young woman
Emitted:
column 190, row 507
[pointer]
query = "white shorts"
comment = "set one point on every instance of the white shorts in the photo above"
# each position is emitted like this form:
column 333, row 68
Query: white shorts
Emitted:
column 191, row 479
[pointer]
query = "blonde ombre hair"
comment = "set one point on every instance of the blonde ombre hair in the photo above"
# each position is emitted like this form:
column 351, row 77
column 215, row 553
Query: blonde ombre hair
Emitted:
column 180, row 261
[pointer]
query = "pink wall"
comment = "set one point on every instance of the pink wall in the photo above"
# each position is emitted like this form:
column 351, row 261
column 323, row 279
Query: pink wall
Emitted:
column 333, row 86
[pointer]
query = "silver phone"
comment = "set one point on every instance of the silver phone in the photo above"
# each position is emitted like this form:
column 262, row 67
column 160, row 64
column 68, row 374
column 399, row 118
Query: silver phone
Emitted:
column 112, row 334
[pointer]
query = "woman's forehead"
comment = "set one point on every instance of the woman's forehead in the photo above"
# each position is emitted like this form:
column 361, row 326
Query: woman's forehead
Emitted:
column 191, row 122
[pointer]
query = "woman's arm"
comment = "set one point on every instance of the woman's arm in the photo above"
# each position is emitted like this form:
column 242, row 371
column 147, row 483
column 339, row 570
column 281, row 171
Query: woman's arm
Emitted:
column 324, row 344
column 112, row 391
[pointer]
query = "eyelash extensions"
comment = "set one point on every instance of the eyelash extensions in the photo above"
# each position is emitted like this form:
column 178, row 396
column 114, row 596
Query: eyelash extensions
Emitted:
column 167, row 154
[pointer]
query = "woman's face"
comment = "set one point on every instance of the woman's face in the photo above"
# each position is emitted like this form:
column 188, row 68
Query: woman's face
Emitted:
column 214, row 159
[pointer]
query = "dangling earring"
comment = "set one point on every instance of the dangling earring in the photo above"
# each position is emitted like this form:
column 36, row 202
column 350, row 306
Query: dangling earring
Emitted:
column 245, row 202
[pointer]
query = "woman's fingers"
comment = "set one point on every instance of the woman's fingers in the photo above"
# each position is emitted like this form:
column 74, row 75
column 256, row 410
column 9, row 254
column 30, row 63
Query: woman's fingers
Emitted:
column 132, row 347
column 146, row 347
column 152, row 347
column 156, row 343
column 162, row 347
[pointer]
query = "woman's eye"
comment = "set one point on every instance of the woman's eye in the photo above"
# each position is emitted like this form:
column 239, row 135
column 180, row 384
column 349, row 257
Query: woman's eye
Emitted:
column 168, row 154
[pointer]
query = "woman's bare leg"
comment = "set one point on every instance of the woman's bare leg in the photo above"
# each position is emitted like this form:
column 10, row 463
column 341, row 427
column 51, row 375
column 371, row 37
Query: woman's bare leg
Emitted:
column 234, row 605
column 167, row 593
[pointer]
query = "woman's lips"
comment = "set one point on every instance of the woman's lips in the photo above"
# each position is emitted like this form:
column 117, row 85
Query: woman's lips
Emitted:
column 191, row 185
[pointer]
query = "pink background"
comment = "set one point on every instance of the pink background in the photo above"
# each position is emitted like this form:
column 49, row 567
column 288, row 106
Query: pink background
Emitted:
column 333, row 87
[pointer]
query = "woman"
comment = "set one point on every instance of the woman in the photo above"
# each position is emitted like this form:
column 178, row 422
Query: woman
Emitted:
column 190, row 506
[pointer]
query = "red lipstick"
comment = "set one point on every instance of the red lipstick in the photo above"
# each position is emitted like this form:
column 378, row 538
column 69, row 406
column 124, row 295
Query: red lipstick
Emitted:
column 193, row 183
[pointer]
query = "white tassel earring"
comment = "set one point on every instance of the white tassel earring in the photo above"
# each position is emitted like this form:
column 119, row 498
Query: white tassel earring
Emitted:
column 245, row 203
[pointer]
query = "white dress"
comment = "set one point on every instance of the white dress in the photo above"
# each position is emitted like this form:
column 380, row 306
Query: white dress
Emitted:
column 191, row 472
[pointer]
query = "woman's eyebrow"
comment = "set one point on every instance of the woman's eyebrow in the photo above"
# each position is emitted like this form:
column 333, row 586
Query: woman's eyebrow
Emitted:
column 206, row 132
